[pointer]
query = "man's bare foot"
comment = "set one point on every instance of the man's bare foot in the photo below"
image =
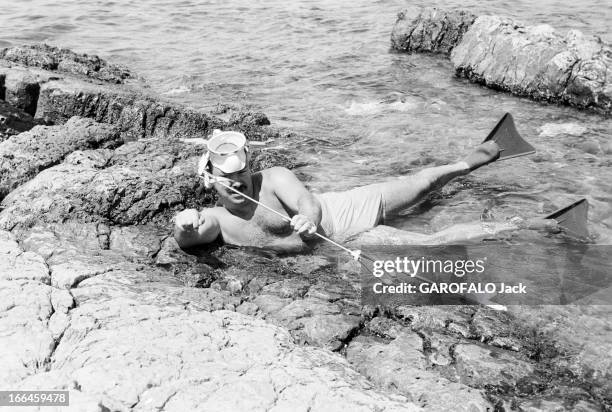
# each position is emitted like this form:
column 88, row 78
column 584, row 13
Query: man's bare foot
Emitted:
column 485, row 153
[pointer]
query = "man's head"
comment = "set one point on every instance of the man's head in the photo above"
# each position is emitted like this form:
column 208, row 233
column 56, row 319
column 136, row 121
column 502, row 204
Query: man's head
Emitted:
column 228, row 159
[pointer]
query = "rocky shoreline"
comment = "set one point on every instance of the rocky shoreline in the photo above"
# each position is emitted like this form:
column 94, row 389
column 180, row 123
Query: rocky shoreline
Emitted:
column 98, row 299
column 531, row 61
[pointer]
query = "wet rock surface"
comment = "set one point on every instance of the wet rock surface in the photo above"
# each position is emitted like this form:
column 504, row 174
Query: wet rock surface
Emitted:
column 430, row 30
column 97, row 298
column 503, row 54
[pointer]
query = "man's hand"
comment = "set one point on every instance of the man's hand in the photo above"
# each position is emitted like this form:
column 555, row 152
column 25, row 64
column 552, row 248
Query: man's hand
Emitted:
column 303, row 225
column 189, row 220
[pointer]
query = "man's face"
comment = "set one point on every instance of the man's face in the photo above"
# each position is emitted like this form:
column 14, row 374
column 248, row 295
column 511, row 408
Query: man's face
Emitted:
column 240, row 180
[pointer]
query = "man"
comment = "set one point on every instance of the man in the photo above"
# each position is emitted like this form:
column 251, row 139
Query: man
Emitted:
column 240, row 221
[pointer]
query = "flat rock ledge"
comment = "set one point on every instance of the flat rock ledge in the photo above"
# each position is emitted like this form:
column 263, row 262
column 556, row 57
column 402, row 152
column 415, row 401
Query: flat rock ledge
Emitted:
column 118, row 344
column 531, row 61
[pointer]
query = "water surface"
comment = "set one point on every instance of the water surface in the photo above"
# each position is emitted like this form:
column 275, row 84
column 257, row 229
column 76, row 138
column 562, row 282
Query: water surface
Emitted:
column 364, row 114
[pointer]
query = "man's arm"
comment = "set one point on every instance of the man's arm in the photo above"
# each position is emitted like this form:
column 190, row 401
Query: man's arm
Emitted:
column 193, row 228
column 294, row 195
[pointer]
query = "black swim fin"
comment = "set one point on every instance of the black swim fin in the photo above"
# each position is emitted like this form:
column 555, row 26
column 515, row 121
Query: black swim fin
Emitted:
column 509, row 140
column 573, row 218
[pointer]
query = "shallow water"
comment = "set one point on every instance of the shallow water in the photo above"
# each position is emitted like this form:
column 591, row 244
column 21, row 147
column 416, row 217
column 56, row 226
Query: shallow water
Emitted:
column 324, row 69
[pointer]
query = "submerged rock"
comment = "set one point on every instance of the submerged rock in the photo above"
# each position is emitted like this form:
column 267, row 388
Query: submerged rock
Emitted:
column 430, row 30
column 536, row 61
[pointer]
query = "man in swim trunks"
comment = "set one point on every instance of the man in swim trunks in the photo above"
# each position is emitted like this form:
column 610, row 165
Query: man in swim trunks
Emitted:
column 242, row 222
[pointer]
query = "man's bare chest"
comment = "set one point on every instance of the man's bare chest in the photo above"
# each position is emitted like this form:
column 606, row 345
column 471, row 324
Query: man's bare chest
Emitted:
column 259, row 221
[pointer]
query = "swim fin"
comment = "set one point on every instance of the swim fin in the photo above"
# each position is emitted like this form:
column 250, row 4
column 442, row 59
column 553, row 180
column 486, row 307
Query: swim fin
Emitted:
column 509, row 140
column 573, row 218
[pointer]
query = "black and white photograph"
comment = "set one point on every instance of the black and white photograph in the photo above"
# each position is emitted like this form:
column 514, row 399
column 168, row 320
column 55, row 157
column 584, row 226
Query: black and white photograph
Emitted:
column 309, row 205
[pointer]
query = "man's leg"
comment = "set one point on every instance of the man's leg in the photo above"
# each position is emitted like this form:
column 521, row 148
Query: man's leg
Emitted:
column 401, row 194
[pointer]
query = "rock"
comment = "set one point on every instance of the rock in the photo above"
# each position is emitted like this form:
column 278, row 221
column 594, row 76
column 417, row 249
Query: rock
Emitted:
column 541, row 405
column 55, row 84
column 439, row 347
column 143, row 182
column 433, row 317
column 316, row 322
column 64, row 60
column 139, row 345
column 20, row 87
column 222, row 108
column 136, row 243
column 584, row 406
column 405, row 358
column 385, row 327
column 69, row 274
column 430, row 30
column 247, row 308
column 496, row 328
column 26, row 342
column 14, row 121
column 555, row 129
column 249, row 119
column 16, row 264
column 536, row 61
column 170, row 253
column 183, row 266
column 135, row 114
column 332, row 291
column 61, row 300
column 24, row 155
column 479, row 365
column 264, row 159
column 307, row 264
column 270, row 303
column 25, row 308
column 288, row 288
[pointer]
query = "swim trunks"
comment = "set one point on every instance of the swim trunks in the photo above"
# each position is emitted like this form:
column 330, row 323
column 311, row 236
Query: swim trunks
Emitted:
column 350, row 212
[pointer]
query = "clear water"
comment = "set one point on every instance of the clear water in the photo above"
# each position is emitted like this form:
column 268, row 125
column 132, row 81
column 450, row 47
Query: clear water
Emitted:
column 364, row 114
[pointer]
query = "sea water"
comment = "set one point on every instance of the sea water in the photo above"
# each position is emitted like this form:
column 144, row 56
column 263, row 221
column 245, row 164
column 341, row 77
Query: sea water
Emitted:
column 362, row 114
